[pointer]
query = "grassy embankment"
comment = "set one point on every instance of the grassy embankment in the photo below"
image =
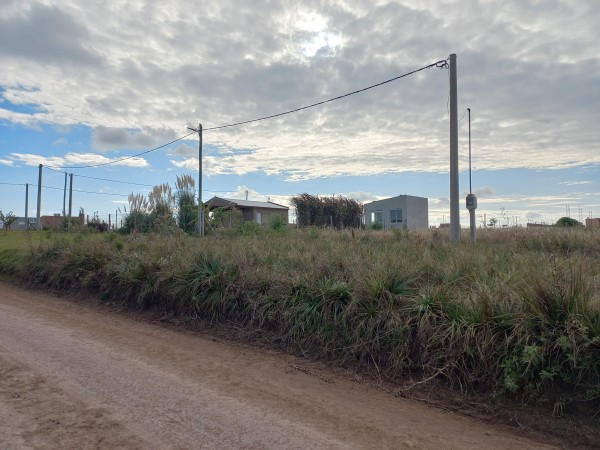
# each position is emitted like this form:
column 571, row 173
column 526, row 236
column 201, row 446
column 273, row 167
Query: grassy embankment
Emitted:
column 517, row 315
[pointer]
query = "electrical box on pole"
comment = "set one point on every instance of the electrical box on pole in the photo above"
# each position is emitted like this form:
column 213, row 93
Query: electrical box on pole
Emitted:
column 472, row 206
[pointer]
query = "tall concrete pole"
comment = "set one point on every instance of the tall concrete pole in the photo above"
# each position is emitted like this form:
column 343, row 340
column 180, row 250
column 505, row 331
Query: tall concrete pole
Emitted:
column 65, row 197
column 70, row 199
column 27, row 206
column 39, row 199
column 200, row 205
column 454, row 202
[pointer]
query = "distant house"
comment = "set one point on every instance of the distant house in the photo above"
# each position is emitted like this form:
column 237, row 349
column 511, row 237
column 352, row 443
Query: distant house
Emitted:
column 398, row 212
column 57, row 221
column 538, row 225
column 260, row 212
column 592, row 222
column 20, row 225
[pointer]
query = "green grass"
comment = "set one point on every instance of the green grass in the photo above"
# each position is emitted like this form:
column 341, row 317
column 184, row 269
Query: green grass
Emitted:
column 517, row 315
column 17, row 239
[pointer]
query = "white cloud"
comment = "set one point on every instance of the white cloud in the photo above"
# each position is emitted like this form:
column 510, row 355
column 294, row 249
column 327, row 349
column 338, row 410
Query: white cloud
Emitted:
column 76, row 159
column 575, row 183
column 60, row 141
column 529, row 76
column 7, row 162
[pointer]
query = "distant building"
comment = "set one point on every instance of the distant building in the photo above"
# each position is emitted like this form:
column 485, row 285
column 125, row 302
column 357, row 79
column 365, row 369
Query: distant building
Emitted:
column 57, row 221
column 592, row 222
column 260, row 212
column 538, row 225
column 20, row 225
column 398, row 212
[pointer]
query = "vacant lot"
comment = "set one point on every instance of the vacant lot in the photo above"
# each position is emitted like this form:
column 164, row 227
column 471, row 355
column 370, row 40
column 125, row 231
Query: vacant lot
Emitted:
column 515, row 318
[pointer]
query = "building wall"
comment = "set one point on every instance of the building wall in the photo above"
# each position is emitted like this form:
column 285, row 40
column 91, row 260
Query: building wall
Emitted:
column 266, row 214
column 592, row 222
column 417, row 209
column 414, row 210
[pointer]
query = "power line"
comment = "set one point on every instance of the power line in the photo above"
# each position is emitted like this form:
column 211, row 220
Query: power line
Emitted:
column 125, row 158
column 101, row 179
column 442, row 64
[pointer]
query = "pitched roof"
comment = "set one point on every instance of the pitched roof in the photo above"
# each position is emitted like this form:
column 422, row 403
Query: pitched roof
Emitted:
column 220, row 201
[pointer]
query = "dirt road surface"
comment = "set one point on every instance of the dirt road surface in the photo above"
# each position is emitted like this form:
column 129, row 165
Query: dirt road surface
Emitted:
column 76, row 376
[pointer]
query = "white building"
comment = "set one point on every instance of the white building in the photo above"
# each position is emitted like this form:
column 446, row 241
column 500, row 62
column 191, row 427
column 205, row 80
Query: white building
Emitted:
column 398, row 212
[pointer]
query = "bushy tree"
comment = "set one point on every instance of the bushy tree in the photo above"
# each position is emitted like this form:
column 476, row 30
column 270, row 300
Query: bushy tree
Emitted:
column 7, row 219
column 568, row 222
column 185, row 199
column 339, row 212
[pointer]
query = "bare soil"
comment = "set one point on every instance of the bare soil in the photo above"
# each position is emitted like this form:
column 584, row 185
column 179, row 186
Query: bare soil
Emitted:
column 77, row 376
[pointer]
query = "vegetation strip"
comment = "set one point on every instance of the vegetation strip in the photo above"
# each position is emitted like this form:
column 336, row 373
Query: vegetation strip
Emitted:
column 517, row 316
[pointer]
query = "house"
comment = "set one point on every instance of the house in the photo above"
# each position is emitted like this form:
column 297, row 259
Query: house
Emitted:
column 19, row 224
column 260, row 212
column 57, row 221
column 592, row 222
column 398, row 212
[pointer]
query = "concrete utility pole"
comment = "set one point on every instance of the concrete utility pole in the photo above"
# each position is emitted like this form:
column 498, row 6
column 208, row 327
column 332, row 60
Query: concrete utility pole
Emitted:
column 454, row 203
column 65, row 197
column 200, row 205
column 27, row 206
column 39, row 199
column 70, row 199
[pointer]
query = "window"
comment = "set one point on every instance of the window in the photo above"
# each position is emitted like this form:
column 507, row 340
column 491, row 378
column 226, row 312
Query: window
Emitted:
column 377, row 217
column 396, row 215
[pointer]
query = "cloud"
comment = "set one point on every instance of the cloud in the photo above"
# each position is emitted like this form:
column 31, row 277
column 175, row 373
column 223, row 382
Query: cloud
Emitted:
column 183, row 150
column 112, row 138
column 482, row 192
column 575, row 183
column 528, row 75
column 60, row 141
column 45, row 34
column 76, row 159
column 7, row 162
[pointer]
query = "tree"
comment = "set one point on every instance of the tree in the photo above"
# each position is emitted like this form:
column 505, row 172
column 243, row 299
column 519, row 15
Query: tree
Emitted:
column 7, row 219
column 185, row 198
column 568, row 222
column 339, row 212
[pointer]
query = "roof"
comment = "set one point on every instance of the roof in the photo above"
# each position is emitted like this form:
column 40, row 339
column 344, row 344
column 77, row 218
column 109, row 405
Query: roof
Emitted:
column 220, row 202
column 376, row 202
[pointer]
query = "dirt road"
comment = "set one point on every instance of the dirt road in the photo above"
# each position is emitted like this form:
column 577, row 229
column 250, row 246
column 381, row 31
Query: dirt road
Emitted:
column 75, row 376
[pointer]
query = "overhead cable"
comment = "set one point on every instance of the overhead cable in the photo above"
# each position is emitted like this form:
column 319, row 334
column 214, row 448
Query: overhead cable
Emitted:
column 442, row 64
column 125, row 158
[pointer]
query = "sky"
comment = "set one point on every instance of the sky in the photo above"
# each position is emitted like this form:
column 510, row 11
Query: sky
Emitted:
column 85, row 83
